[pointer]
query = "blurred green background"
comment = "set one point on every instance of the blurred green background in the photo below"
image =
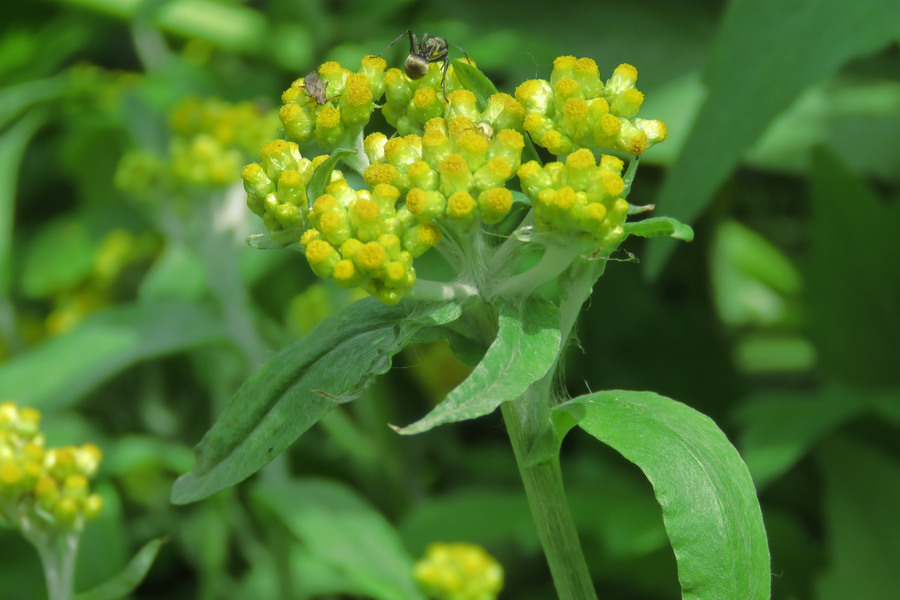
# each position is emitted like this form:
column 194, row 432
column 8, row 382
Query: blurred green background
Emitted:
column 129, row 318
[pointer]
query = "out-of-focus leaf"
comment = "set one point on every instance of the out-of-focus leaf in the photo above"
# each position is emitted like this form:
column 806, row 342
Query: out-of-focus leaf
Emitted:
column 748, row 87
column 61, row 370
column 753, row 281
column 709, row 504
column 12, row 146
column 862, row 493
column 778, row 429
column 300, row 385
column 103, row 550
column 342, row 529
column 526, row 347
column 127, row 581
column 854, row 290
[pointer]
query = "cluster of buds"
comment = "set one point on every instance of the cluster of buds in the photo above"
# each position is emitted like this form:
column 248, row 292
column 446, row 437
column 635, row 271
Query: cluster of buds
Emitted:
column 43, row 488
column 411, row 103
column 330, row 106
column 576, row 110
column 446, row 172
column 459, row 571
column 579, row 197
column 453, row 172
column 211, row 139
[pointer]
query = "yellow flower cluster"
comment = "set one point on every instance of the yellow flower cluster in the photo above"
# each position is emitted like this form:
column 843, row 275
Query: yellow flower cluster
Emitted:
column 332, row 104
column 411, row 103
column 576, row 110
column 39, row 486
column 211, row 139
column 453, row 173
column 459, row 571
column 579, row 197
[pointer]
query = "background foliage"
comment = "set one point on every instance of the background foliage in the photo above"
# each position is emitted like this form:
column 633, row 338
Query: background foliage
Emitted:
column 780, row 320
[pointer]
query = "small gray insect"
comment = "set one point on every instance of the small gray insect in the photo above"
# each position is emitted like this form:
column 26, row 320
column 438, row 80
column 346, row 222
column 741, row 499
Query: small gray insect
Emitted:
column 315, row 88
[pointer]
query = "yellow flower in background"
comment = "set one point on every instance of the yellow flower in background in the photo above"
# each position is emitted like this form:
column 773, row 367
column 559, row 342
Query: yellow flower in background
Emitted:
column 459, row 571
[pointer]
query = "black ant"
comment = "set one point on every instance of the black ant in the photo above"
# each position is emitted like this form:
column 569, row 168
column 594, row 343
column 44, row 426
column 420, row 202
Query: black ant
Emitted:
column 315, row 88
column 430, row 49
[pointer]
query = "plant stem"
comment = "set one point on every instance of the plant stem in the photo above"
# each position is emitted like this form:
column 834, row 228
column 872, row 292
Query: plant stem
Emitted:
column 547, row 497
column 58, row 554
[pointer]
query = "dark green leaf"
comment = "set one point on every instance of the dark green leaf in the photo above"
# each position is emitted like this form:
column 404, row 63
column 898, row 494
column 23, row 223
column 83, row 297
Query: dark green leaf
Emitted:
column 862, row 493
column 345, row 532
column 127, row 581
column 526, row 347
column 659, row 227
column 62, row 369
column 322, row 175
column 288, row 395
column 757, row 70
column 709, row 504
column 854, row 290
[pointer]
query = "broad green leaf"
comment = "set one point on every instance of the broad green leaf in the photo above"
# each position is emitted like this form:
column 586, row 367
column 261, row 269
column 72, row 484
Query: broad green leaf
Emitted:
column 299, row 386
column 709, row 504
column 477, row 82
column 853, row 288
column 322, row 175
column 659, row 227
column 343, row 530
column 61, row 370
column 862, row 493
column 526, row 347
column 748, row 87
column 127, row 581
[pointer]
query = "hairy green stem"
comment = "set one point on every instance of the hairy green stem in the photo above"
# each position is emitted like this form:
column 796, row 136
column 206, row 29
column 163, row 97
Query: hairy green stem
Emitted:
column 525, row 421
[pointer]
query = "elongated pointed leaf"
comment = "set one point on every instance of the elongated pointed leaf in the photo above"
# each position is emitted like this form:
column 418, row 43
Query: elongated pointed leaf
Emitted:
column 526, row 347
column 322, row 174
column 346, row 533
column 63, row 369
column 334, row 364
column 748, row 87
column 709, row 504
column 127, row 581
column 660, row 227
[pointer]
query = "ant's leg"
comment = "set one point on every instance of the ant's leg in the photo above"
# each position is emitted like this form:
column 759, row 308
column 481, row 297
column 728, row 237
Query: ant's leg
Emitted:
column 458, row 47
column 400, row 37
column 444, row 76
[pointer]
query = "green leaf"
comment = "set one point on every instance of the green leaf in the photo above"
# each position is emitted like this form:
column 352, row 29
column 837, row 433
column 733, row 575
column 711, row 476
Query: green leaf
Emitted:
column 344, row 531
column 61, row 370
column 334, row 364
column 264, row 241
column 477, row 82
column 526, row 347
column 127, row 581
column 748, row 88
column 13, row 142
column 659, row 227
column 709, row 504
column 322, row 175
column 853, row 288
column 862, row 493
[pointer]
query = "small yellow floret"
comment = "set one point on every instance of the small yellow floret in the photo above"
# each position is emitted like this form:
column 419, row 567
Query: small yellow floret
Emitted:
column 454, row 165
column 370, row 257
column 380, row 173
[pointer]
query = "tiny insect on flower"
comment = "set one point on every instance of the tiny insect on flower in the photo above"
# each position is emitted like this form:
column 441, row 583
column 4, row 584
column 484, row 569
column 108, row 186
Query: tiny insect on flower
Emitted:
column 422, row 52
